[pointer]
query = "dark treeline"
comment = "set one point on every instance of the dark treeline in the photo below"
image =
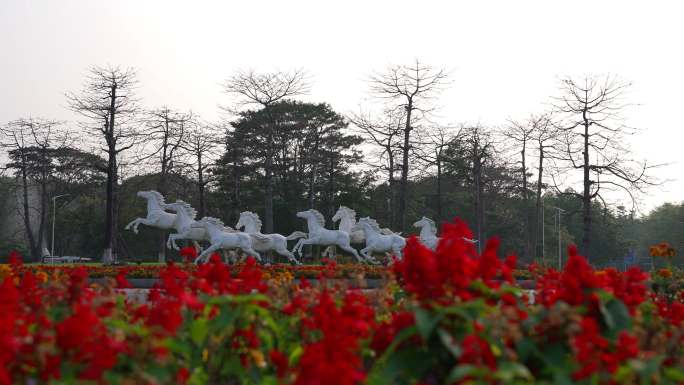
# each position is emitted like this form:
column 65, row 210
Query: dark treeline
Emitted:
column 276, row 155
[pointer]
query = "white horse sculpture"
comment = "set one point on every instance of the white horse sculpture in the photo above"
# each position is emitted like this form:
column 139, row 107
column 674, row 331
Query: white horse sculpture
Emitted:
column 378, row 242
column 319, row 235
column 222, row 237
column 156, row 216
column 264, row 242
column 428, row 232
column 347, row 218
column 185, row 217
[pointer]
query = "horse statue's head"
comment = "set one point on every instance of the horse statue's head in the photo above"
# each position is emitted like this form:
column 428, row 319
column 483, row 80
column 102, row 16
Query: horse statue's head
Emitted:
column 311, row 213
column 182, row 207
column 247, row 218
column 151, row 194
column 344, row 212
column 425, row 221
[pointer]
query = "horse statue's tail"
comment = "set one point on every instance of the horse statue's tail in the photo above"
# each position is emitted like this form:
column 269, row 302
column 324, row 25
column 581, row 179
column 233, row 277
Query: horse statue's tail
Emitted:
column 296, row 235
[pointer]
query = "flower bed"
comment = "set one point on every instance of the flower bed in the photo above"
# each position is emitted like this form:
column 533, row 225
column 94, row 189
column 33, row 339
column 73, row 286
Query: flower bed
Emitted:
column 446, row 317
column 341, row 271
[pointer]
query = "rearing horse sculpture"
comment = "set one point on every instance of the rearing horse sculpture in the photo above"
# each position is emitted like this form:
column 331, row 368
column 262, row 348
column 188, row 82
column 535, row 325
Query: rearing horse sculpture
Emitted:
column 428, row 232
column 156, row 216
column 319, row 235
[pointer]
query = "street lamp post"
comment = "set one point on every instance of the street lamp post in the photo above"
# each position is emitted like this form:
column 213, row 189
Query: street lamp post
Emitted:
column 54, row 215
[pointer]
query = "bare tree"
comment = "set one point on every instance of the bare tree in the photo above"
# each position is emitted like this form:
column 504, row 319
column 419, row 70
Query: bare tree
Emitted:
column 201, row 148
column 479, row 149
column 593, row 142
column 543, row 134
column 164, row 134
column 265, row 89
column 109, row 104
column 384, row 133
column 432, row 152
column 31, row 145
column 165, row 130
column 520, row 134
column 410, row 88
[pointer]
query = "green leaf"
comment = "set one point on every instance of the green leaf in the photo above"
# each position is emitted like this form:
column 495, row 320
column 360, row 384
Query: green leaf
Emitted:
column 198, row 330
column 426, row 322
column 198, row 377
column 616, row 316
column 508, row 371
column 449, row 342
column 407, row 364
column 675, row 374
column 459, row 372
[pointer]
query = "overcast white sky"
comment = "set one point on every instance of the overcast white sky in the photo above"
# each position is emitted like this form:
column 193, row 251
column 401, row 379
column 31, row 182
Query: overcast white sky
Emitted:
column 506, row 56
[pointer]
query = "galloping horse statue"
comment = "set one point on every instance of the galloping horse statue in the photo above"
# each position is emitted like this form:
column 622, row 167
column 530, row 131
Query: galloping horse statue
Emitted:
column 378, row 242
column 222, row 237
column 156, row 216
column 265, row 242
column 347, row 218
column 428, row 233
column 185, row 217
column 319, row 235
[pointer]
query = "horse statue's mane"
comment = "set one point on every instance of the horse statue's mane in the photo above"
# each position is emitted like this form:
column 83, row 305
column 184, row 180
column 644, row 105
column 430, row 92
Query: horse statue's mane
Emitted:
column 254, row 217
column 157, row 195
column 213, row 221
column 372, row 222
column 319, row 217
column 348, row 211
column 182, row 205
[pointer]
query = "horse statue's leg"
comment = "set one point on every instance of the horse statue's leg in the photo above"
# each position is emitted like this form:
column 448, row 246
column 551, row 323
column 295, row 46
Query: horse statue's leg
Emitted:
column 297, row 249
column 351, row 250
column 208, row 251
column 135, row 223
column 252, row 252
column 171, row 242
column 291, row 257
column 280, row 247
column 144, row 221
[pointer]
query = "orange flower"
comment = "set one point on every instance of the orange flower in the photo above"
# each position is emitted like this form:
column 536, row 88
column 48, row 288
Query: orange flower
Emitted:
column 665, row 273
column 42, row 276
column 662, row 249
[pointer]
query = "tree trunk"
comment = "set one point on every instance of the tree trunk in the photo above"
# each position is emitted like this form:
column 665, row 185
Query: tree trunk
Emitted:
column 200, row 187
column 331, row 188
column 477, row 195
column 27, row 213
column 526, row 210
column 109, row 254
column 107, row 257
column 268, row 177
column 403, row 187
column 586, row 195
column 391, row 202
column 537, row 206
column 439, row 190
